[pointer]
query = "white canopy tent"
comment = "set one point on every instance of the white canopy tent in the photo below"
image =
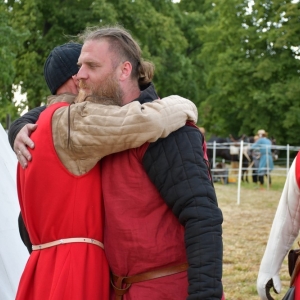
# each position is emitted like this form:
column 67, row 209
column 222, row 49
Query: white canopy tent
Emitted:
column 13, row 254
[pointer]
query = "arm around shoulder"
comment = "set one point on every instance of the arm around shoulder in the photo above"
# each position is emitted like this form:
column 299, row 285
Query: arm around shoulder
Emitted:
column 106, row 129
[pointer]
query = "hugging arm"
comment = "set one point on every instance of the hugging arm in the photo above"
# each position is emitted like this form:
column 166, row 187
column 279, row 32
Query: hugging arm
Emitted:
column 95, row 130
column 19, row 134
column 177, row 167
column 29, row 118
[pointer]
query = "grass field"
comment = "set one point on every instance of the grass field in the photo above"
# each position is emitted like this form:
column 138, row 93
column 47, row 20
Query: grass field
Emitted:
column 246, row 229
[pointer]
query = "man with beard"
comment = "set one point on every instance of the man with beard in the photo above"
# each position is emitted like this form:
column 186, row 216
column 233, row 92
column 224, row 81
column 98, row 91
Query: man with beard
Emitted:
column 162, row 216
column 60, row 190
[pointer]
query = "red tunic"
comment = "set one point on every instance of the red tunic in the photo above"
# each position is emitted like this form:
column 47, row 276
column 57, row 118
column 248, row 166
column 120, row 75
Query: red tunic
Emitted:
column 56, row 204
column 141, row 232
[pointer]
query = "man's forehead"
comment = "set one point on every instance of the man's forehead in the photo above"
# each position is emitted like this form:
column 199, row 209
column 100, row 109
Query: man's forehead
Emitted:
column 95, row 50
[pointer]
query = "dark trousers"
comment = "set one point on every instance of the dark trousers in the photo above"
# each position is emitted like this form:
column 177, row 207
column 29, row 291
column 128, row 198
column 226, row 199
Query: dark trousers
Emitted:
column 254, row 177
column 261, row 179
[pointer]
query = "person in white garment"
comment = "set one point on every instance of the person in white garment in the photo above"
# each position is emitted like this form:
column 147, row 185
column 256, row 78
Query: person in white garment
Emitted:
column 284, row 231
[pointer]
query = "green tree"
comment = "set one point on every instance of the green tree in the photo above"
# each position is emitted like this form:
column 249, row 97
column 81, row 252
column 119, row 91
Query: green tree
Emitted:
column 239, row 65
column 279, row 29
column 252, row 70
column 159, row 26
column 195, row 15
column 49, row 24
column 153, row 24
column 9, row 45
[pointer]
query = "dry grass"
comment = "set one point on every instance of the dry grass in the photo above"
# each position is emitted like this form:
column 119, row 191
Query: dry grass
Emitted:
column 246, row 229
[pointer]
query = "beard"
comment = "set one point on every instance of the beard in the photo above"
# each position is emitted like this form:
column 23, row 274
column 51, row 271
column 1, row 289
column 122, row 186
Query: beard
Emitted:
column 107, row 92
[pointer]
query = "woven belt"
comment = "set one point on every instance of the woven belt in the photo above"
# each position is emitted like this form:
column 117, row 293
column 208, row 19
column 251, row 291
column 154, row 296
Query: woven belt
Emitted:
column 122, row 284
column 67, row 241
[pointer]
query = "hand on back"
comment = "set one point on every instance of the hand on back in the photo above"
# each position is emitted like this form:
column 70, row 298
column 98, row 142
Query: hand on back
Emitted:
column 22, row 141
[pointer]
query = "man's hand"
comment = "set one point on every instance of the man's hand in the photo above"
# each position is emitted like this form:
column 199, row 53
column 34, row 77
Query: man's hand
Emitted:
column 264, row 286
column 270, row 285
column 22, row 141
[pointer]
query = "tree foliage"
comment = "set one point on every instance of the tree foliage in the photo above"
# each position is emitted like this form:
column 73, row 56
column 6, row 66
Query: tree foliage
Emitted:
column 9, row 45
column 238, row 63
column 253, row 71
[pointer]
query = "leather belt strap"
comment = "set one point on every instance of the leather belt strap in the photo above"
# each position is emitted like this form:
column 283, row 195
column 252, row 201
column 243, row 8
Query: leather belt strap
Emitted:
column 121, row 284
column 67, row 241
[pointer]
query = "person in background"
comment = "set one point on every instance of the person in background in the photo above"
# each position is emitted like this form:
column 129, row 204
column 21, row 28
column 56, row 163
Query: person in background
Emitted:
column 264, row 145
column 60, row 190
column 284, row 232
column 255, row 155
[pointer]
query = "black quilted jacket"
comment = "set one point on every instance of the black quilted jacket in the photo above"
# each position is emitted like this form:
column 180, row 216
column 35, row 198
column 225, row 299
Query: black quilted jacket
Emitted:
column 177, row 167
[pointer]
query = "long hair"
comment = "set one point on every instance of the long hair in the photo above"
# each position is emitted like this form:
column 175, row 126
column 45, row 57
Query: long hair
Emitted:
column 125, row 48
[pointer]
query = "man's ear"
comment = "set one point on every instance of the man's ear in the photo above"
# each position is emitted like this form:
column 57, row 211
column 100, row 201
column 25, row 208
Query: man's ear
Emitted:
column 126, row 69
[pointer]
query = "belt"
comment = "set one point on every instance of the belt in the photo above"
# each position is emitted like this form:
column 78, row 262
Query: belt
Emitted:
column 67, row 241
column 121, row 284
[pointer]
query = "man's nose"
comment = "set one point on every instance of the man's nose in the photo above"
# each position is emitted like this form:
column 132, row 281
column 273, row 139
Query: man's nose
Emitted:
column 82, row 74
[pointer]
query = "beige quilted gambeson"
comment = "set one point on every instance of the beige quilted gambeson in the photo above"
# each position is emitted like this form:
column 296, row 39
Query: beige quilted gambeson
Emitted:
column 90, row 131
